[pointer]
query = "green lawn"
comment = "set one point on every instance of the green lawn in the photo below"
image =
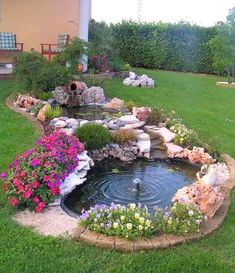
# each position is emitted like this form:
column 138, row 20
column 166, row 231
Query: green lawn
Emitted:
column 203, row 107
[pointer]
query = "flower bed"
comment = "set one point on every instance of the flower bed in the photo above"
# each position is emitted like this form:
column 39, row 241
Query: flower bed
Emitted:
column 134, row 221
column 33, row 180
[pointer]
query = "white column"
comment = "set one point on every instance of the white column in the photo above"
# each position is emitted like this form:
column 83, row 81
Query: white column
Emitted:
column 83, row 23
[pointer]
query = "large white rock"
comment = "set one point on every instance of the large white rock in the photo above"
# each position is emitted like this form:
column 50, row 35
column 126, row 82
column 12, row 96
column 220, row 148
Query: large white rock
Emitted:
column 134, row 125
column 129, row 119
column 70, row 183
column 60, row 124
column 128, row 81
column 144, row 146
column 71, row 122
column 173, row 149
column 132, row 75
column 143, row 137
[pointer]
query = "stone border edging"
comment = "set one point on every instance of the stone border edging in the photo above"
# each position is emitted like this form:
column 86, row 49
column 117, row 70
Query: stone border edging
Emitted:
column 166, row 240
column 36, row 123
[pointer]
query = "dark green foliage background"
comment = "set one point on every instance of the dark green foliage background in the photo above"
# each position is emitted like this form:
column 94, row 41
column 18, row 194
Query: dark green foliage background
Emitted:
column 177, row 47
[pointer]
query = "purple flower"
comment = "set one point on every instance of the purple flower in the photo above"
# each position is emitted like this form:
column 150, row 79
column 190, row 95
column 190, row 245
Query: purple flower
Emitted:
column 84, row 215
column 3, row 175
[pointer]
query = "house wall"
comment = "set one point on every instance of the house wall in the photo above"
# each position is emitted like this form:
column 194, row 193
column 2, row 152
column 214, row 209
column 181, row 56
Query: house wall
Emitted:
column 39, row 21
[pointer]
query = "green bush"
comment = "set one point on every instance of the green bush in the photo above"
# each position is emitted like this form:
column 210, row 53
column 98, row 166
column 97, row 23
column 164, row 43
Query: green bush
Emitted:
column 44, row 95
column 72, row 54
column 50, row 76
column 27, row 69
column 124, row 135
column 53, row 112
column 92, row 80
column 94, row 136
column 156, row 115
column 34, row 72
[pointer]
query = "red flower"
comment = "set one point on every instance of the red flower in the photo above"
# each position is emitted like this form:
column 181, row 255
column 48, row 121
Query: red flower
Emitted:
column 23, row 173
column 27, row 194
column 55, row 191
column 40, row 206
column 14, row 201
column 35, row 184
column 46, row 178
column 16, row 182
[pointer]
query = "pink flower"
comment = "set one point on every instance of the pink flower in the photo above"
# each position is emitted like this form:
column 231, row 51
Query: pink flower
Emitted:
column 40, row 206
column 3, row 175
column 35, row 162
column 16, row 182
column 14, row 201
column 27, row 194
column 35, row 184
column 36, row 200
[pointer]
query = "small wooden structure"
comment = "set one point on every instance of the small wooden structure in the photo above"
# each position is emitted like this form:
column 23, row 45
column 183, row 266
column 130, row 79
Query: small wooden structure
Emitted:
column 55, row 49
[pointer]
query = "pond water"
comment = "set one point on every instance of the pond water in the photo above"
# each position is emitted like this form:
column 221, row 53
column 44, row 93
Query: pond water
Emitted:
column 114, row 181
column 88, row 113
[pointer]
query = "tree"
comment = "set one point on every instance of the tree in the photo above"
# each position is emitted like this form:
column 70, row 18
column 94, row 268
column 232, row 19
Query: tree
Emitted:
column 223, row 46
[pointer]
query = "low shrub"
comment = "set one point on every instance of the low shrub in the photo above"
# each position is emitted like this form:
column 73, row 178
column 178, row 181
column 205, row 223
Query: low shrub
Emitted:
column 53, row 112
column 124, row 135
column 35, row 110
column 50, row 76
column 182, row 218
column 129, row 222
column 130, row 104
column 33, row 180
column 94, row 136
column 44, row 96
column 92, row 80
column 156, row 115
column 34, row 72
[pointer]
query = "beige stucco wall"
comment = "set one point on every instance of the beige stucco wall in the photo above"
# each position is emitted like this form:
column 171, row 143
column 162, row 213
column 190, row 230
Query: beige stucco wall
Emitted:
column 38, row 21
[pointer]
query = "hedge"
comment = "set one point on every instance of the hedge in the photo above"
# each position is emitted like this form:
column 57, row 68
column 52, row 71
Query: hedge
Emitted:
column 179, row 47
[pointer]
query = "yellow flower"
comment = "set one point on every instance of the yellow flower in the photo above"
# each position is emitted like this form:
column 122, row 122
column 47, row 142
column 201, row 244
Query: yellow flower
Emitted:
column 141, row 220
column 148, row 222
column 122, row 218
column 137, row 215
column 115, row 224
column 132, row 206
column 129, row 225
column 140, row 227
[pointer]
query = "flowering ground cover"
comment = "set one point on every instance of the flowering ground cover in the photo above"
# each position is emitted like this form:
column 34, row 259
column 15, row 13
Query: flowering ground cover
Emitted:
column 34, row 178
column 203, row 107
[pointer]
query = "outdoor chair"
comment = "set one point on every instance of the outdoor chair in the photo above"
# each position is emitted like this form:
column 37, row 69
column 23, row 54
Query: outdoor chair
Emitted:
column 55, row 49
column 8, row 43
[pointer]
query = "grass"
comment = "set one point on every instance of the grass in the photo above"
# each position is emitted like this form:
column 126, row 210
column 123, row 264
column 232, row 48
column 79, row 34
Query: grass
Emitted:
column 204, row 108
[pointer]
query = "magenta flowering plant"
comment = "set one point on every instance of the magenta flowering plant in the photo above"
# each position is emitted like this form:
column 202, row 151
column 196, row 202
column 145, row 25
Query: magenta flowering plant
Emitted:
column 101, row 63
column 33, row 180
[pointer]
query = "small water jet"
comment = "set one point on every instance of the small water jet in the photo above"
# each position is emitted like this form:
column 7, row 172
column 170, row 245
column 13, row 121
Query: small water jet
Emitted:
column 136, row 183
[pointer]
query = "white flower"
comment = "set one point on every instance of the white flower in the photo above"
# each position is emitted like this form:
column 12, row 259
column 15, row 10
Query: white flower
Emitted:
column 132, row 206
column 115, row 224
column 137, row 215
column 148, row 222
column 140, row 227
column 141, row 220
column 190, row 213
column 129, row 226
column 198, row 222
column 122, row 218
